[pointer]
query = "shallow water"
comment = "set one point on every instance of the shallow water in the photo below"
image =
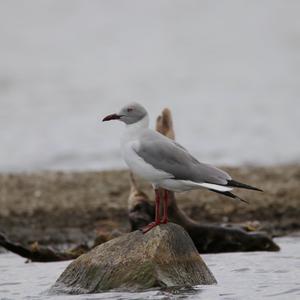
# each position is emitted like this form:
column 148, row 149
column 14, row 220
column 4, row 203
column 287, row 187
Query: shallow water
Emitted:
column 230, row 72
column 255, row 275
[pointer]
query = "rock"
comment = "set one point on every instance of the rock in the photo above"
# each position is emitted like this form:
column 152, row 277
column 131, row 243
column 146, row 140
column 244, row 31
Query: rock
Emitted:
column 164, row 257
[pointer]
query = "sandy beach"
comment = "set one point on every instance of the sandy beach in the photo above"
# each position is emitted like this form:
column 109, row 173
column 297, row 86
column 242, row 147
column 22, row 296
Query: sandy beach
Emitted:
column 71, row 207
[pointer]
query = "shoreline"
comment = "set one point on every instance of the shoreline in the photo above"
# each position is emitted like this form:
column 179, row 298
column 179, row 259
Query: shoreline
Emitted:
column 55, row 207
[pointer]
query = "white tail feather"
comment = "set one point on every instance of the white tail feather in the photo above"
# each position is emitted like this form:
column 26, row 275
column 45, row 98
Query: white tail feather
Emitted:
column 216, row 187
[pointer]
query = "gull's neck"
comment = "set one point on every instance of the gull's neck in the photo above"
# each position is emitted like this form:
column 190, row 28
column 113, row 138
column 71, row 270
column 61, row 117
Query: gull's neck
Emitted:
column 135, row 128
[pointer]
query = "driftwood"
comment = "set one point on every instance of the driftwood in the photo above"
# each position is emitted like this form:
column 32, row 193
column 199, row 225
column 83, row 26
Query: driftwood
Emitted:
column 207, row 238
column 38, row 253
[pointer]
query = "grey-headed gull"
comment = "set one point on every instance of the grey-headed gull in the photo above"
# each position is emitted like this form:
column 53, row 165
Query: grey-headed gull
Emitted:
column 165, row 163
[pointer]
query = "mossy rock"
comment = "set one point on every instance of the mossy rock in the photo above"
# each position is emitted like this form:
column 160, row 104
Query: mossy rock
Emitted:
column 163, row 257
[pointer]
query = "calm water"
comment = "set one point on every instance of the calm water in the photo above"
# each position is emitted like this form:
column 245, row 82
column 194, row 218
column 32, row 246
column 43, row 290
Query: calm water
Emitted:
column 230, row 72
column 256, row 275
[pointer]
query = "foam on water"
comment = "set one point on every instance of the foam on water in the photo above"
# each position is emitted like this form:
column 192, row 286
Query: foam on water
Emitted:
column 253, row 275
column 228, row 70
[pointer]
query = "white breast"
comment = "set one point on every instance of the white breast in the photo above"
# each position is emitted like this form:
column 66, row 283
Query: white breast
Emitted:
column 139, row 166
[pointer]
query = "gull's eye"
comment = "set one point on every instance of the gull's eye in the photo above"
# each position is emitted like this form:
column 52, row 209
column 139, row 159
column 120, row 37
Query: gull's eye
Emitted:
column 129, row 109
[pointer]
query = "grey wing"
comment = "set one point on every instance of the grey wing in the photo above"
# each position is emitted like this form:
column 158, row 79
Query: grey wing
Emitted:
column 166, row 155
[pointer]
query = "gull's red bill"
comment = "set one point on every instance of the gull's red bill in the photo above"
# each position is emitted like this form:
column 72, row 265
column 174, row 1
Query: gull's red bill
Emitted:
column 111, row 117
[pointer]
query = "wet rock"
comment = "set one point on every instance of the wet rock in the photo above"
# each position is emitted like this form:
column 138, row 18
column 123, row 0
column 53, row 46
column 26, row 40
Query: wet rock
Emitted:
column 164, row 257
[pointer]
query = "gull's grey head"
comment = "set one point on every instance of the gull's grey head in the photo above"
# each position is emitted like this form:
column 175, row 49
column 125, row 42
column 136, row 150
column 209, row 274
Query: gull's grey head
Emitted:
column 129, row 114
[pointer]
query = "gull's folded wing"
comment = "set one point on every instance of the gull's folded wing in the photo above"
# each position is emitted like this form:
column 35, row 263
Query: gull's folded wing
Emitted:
column 166, row 155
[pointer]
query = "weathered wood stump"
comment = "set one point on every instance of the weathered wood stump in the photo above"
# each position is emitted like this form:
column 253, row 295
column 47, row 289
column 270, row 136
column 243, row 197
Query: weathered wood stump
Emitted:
column 164, row 257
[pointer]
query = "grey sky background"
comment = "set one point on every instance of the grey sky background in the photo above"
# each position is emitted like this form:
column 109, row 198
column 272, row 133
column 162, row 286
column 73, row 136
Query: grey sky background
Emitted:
column 229, row 71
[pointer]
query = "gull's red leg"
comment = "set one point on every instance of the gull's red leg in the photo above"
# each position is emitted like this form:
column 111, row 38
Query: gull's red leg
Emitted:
column 165, row 210
column 157, row 214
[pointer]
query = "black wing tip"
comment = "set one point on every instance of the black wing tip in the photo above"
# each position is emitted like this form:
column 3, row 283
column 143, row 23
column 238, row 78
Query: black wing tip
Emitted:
column 236, row 184
column 231, row 195
column 243, row 200
column 236, row 197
